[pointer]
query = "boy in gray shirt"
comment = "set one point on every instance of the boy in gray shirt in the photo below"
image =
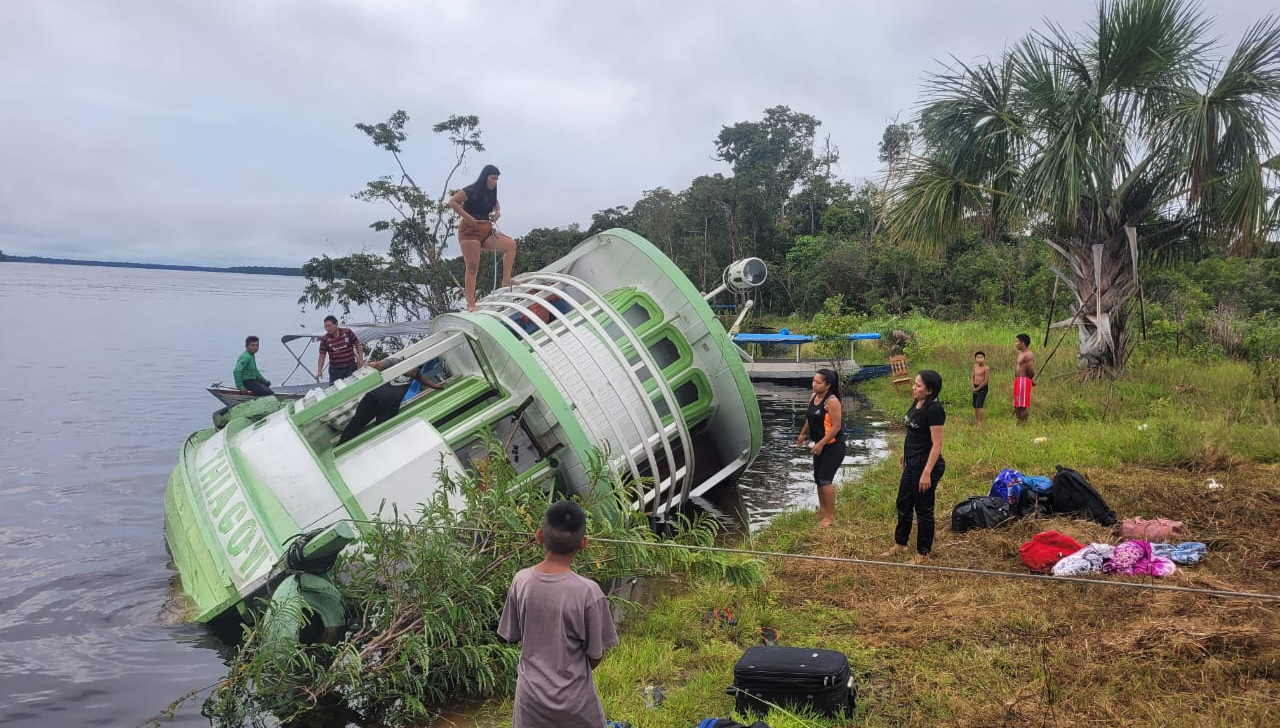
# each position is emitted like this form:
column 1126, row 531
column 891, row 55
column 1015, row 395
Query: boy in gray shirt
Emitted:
column 563, row 622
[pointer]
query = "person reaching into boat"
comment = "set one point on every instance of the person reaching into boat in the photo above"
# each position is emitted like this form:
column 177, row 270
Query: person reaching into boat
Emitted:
column 342, row 346
column 478, row 212
column 246, row 372
column 922, row 465
column 383, row 403
column 824, row 426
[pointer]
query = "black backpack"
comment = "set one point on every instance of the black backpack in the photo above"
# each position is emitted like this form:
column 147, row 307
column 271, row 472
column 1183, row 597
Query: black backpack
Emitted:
column 980, row 511
column 1072, row 495
column 1031, row 504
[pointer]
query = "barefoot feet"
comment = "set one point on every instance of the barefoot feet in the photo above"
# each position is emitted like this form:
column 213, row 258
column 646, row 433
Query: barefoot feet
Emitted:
column 897, row 549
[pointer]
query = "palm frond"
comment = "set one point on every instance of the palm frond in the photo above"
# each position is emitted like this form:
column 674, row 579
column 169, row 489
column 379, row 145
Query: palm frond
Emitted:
column 928, row 209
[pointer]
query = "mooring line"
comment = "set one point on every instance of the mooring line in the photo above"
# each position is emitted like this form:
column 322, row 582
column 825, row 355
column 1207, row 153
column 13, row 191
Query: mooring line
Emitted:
column 1223, row 593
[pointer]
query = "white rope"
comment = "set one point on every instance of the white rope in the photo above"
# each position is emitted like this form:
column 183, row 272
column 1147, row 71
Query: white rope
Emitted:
column 1225, row 593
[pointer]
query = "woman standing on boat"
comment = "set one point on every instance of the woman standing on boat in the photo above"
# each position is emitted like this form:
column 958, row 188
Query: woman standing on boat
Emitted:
column 922, row 465
column 478, row 209
column 823, row 423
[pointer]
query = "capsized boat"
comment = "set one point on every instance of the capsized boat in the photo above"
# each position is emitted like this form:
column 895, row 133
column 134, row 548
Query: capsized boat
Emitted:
column 610, row 349
column 298, row 345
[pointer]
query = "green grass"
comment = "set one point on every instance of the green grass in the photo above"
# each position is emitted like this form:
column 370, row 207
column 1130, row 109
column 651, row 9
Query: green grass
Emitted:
column 942, row 649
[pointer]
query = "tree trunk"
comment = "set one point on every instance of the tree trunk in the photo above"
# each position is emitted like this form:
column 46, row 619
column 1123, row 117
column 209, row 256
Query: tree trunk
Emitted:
column 1100, row 276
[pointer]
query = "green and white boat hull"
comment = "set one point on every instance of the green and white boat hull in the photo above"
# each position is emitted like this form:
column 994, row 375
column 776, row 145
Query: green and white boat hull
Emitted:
column 610, row 349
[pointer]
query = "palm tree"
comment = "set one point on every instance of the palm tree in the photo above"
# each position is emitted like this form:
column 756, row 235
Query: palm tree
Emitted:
column 1128, row 137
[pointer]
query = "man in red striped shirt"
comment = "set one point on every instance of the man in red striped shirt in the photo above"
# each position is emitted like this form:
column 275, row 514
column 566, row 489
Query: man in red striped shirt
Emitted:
column 343, row 349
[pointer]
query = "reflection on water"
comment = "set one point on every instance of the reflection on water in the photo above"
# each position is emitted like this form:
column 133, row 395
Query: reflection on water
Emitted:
column 781, row 479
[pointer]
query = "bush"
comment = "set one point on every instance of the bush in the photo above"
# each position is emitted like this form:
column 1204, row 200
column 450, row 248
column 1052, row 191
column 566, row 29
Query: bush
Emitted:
column 423, row 599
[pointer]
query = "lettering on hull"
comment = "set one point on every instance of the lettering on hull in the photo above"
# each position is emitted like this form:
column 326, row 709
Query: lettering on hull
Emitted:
column 243, row 542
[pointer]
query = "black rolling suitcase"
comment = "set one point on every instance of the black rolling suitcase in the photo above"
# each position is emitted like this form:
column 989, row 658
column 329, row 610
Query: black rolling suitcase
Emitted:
column 792, row 677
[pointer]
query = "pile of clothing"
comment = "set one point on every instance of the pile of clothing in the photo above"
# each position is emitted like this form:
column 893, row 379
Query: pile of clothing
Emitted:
column 1130, row 558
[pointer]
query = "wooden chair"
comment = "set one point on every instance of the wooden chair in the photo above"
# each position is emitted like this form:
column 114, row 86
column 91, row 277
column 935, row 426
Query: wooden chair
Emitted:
column 898, row 366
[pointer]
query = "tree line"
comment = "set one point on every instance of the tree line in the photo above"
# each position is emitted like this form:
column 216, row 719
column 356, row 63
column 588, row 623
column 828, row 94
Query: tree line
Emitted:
column 1093, row 177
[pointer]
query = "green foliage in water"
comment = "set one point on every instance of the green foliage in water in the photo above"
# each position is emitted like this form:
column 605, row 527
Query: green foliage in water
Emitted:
column 423, row 600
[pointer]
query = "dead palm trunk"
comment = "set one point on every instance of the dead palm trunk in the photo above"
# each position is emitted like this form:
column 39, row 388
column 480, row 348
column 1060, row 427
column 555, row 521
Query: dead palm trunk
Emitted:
column 1100, row 276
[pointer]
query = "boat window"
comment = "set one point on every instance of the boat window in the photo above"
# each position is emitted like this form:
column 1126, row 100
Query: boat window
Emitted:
column 451, row 359
column 637, row 309
column 693, row 395
column 664, row 412
column 521, row 452
column 665, row 352
column 636, row 315
column 687, row 393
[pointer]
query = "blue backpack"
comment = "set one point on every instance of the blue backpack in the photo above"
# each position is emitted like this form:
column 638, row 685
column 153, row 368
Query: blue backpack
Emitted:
column 1007, row 486
column 1038, row 483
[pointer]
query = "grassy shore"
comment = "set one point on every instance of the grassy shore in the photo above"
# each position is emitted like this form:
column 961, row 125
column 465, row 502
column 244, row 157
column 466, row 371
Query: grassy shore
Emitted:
column 938, row 648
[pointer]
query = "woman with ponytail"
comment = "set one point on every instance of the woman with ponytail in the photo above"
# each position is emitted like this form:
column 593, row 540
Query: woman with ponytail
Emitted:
column 823, row 424
column 922, row 465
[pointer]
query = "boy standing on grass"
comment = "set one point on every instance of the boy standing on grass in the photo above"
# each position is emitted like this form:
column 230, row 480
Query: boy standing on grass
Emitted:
column 563, row 623
column 980, row 379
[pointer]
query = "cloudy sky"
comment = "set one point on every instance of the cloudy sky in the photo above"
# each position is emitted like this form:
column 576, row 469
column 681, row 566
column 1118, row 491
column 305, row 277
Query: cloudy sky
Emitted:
column 221, row 131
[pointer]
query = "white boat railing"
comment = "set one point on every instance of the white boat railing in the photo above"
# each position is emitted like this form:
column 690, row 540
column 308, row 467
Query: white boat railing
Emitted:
column 591, row 334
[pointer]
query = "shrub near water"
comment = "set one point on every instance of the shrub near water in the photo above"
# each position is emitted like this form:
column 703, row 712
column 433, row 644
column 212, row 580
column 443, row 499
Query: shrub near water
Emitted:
column 423, row 602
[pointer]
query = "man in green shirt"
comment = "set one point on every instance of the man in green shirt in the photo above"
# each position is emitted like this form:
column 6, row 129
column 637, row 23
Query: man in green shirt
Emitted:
column 246, row 372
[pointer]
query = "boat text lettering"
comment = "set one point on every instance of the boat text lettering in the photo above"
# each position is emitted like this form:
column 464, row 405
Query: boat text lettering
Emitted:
column 238, row 531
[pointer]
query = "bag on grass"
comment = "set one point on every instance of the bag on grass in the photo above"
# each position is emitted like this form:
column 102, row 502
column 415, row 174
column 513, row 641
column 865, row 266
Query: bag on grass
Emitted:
column 1038, row 483
column 1072, row 495
column 1031, row 504
column 979, row 512
column 815, row 680
column 1007, row 486
column 1046, row 549
column 728, row 723
column 1156, row 530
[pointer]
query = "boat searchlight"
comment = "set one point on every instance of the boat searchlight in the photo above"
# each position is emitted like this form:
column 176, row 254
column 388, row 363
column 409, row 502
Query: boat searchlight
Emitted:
column 741, row 276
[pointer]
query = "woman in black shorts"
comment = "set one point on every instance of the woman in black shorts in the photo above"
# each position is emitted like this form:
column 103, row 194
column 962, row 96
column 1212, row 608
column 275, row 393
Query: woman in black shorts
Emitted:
column 823, row 424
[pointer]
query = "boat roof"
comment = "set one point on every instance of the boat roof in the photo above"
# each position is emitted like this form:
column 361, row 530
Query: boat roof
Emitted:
column 372, row 331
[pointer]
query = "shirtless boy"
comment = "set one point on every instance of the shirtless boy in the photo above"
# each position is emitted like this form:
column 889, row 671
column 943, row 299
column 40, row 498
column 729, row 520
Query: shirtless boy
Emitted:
column 979, row 380
column 1024, row 372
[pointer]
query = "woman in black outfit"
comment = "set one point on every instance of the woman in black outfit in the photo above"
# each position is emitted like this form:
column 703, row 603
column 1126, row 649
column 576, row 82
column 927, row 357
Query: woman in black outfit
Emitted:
column 922, row 465
column 823, row 423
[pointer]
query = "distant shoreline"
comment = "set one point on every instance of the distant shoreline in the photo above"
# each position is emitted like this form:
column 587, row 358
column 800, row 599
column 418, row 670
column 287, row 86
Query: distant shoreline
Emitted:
column 268, row 270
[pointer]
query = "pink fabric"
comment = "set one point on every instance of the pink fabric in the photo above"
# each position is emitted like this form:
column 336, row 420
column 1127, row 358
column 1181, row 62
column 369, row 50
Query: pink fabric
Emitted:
column 1134, row 558
column 1157, row 530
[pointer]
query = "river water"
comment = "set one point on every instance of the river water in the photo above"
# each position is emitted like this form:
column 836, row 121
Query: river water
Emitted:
column 106, row 376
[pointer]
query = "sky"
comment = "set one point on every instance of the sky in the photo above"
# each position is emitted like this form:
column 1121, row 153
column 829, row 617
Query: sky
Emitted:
column 222, row 132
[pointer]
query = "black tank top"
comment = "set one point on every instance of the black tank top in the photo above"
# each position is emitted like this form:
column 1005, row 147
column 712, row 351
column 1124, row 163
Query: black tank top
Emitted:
column 479, row 204
column 816, row 415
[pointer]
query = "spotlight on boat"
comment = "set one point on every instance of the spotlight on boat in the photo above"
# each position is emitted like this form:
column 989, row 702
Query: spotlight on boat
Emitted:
column 740, row 277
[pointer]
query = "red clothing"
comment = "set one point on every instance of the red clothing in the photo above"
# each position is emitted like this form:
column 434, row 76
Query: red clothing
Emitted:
column 1022, row 391
column 341, row 348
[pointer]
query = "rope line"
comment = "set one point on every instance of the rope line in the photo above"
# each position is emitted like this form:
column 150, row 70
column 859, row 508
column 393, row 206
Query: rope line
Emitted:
column 1224, row 593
